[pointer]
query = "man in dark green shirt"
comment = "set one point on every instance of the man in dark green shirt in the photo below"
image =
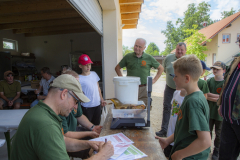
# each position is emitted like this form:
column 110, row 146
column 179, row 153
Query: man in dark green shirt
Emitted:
column 139, row 64
column 40, row 132
column 10, row 91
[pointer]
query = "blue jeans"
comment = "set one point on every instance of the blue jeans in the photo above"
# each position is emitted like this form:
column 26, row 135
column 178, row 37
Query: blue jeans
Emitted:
column 34, row 103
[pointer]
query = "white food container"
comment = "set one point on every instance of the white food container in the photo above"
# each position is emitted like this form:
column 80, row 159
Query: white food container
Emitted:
column 126, row 89
column 129, row 113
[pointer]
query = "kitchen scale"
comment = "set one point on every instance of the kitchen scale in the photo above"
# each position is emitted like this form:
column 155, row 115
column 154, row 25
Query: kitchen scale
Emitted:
column 135, row 122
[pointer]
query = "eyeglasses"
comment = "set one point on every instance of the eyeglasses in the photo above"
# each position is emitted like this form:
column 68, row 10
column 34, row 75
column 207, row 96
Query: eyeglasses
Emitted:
column 77, row 100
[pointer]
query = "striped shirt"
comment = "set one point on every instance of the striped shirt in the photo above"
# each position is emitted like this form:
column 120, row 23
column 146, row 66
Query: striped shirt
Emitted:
column 228, row 97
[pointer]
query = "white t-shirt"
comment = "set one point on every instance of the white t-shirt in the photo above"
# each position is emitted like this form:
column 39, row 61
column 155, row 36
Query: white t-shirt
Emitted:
column 90, row 89
column 176, row 103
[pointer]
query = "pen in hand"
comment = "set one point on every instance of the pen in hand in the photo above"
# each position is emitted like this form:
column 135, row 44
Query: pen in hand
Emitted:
column 105, row 140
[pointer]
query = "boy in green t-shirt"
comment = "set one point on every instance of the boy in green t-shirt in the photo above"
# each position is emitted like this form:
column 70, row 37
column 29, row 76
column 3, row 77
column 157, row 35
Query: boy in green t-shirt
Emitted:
column 191, row 137
column 202, row 84
column 215, row 86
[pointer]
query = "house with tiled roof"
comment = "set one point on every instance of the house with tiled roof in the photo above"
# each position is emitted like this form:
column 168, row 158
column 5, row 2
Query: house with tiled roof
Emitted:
column 224, row 34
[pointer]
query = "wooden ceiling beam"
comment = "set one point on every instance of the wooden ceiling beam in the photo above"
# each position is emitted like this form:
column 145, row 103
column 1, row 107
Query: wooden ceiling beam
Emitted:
column 128, row 22
column 39, row 16
column 57, row 22
column 130, row 9
column 58, row 32
column 50, row 29
column 130, row 27
column 127, row 2
column 130, row 16
column 34, row 6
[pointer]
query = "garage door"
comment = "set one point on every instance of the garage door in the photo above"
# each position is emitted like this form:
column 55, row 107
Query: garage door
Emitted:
column 91, row 11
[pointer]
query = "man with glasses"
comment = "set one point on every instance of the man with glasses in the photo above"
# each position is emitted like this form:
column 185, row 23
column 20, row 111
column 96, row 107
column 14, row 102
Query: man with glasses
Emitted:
column 40, row 134
column 10, row 91
column 71, row 129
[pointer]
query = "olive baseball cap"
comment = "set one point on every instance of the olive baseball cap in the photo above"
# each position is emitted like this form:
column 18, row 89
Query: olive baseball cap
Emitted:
column 66, row 81
column 7, row 73
column 219, row 65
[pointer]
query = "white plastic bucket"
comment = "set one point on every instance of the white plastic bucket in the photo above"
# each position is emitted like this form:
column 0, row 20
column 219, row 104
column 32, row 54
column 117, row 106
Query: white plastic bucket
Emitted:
column 126, row 89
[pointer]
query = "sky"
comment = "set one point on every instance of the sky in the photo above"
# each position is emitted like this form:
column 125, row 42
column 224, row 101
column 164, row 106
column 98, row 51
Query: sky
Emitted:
column 155, row 14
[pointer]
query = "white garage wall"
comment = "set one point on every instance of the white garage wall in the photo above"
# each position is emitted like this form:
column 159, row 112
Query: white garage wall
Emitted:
column 53, row 51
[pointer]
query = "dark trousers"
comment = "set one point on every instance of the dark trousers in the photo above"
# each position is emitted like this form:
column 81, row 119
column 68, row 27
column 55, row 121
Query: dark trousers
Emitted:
column 218, row 126
column 93, row 114
column 168, row 95
column 230, row 141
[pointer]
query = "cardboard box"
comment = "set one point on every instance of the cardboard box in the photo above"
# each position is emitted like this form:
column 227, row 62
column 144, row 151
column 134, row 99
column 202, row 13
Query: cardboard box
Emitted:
column 35, row 84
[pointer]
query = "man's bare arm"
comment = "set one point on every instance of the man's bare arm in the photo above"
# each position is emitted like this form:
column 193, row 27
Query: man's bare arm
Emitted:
column 3, row 96
column 159, row 73
column 118, row 71
column 16, row 97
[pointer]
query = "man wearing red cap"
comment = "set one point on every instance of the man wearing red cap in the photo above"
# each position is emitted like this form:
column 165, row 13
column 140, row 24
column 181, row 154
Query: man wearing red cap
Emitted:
column 10, row 91
column 89, row 82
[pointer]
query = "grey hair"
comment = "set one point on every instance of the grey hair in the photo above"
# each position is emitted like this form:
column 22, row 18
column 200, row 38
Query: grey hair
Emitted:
column 182, row 43
column 145, row 42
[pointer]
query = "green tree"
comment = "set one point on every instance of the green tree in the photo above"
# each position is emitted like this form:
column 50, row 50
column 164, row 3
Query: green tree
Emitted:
column 173, row 36
column 195, row 15
column 126, row 50
column 226, row 14
column 152, row 49
column 195, row 41
column 5, row 46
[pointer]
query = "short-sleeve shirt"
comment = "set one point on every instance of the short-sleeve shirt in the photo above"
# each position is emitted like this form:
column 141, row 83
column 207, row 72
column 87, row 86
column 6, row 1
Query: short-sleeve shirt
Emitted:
column 168, row 69
column 202, row 85
column 45, row 84
column 139, row 67
column 193, row 116
column 176, row 103
column 89, row 85
column 69, row 123
column 10, row 90
column 39, row 136
column 215, row 87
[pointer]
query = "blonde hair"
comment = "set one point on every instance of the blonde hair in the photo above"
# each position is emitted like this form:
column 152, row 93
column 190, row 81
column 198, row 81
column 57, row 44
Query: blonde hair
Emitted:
column 190, row 65
column 71, row 72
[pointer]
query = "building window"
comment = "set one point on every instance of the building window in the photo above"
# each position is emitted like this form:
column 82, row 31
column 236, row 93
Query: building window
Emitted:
column 226, row 38
column 9, row 44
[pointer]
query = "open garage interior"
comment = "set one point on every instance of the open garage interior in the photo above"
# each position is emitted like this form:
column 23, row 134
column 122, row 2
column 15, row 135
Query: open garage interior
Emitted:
column 53, row 30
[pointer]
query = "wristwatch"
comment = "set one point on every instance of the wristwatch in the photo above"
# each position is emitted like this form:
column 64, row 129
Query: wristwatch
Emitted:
column 92, row 127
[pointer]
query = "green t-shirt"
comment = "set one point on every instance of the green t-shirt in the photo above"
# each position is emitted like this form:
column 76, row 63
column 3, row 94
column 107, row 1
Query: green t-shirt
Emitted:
column 215, row 87
column 193, row 116
column 69, row 123
column 202, row 85
column 168, row 69
column 10, row 90
column 39, row 136
column 139, row 67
